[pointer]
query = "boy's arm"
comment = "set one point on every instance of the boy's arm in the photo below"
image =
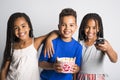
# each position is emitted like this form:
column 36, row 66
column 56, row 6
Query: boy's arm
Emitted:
column 3, row 72
column 46, row 65
column 43, row 61
column 50, row 66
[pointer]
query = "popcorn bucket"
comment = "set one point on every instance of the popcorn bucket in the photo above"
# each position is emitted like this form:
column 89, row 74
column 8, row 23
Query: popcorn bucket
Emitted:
column 66, row 64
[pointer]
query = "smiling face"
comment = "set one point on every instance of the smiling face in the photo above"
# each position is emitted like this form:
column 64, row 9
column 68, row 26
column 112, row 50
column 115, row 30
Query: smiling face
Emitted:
column 21, row 28
column 91, row 29
column 67, row 27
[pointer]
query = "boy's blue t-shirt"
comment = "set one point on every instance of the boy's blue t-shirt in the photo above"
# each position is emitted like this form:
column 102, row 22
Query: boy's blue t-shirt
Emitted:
column 61, row 49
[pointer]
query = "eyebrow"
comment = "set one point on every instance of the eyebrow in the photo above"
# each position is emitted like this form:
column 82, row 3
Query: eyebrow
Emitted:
column 20, row 25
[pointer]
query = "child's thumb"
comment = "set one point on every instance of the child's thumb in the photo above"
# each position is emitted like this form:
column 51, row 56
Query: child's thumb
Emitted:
column 56, row 59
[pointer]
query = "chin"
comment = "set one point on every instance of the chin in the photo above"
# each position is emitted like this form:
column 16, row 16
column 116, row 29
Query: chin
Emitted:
column 90, row 37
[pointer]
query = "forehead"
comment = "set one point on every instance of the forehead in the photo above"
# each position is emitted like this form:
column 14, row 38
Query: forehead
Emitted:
column 68, row 19
column 92, row 22
column 20, row 20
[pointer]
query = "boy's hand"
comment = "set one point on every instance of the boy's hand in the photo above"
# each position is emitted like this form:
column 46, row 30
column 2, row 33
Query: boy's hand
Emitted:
column 57, row 67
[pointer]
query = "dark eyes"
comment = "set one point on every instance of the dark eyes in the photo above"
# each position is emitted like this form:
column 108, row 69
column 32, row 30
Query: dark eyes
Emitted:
column 17, row 27
column 23, row 26
column 71, row 25
column 62, row 24
column 94, row 27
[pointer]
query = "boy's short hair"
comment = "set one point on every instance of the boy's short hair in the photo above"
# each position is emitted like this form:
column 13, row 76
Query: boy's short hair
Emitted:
column 67, row 12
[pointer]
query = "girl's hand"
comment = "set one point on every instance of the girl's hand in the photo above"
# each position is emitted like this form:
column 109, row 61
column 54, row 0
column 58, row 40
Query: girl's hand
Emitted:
column 48, row 45
column 104, row 47
column 48, row 49
column 107, row 48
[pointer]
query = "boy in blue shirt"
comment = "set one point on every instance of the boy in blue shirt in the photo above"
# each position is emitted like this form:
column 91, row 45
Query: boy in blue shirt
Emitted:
column 64, row 46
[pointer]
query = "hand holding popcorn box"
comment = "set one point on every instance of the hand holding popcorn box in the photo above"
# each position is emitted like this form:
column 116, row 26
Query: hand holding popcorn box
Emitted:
column 66, row 64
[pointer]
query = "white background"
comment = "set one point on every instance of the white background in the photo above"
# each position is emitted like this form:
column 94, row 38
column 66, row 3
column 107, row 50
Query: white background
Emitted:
column 44, row 16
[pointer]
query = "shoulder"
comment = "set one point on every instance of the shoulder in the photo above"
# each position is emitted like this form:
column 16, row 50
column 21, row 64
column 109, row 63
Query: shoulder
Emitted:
column 37, row 42
column 55, row 40
column 77, row 44
column 37, row 39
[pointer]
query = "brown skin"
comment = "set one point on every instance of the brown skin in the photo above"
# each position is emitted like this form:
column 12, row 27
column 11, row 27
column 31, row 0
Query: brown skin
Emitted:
column 21, row 30
column 107, row 48
column 4, row 70
column 37, row 43
column 67, row 27
column 56, row 66
column 90, row 29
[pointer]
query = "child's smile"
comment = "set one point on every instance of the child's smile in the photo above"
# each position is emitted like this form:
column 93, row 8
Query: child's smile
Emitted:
column 67, row 27
column 91, row 29
column 21, row 28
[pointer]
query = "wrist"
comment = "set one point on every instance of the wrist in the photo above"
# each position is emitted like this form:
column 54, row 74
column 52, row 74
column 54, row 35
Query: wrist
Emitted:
column 109, row 49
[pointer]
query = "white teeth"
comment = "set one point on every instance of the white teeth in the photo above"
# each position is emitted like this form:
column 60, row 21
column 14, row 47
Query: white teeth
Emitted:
column 66, row 32
column 90, row 34
column 21, row 34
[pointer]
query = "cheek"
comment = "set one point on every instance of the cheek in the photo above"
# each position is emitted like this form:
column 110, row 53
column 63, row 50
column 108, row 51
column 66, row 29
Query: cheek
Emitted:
column 61, row 28
column 15, row 32
column 73, row 31
column 97, row 30
column 74, row 28
column 85, row 31
column 29, row 28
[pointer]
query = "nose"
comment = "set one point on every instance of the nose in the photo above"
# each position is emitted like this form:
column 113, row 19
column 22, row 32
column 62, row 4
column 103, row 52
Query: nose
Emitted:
column 67, row 26
column 90, row 29
column 19, row 29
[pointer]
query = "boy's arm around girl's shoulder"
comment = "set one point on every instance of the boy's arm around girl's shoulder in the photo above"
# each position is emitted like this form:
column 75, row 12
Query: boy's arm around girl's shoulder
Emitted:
column 4, row 70
column 49, row 37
